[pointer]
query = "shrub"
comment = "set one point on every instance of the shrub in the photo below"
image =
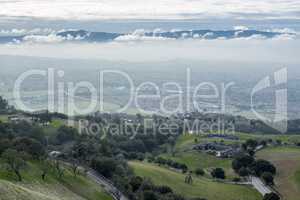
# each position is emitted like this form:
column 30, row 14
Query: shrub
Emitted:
column 242, row 161
column 149, row 195
column 268, row 178
column 104, row 165
column 136, row 183
column 218, row 173
column 244, row 172
column 30, row 146
column 199, row 172
column 163, row 189
column 261, row 166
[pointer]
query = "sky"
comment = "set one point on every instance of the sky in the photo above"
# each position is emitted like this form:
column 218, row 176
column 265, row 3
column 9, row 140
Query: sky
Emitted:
column 153, row 9
column 143, row 50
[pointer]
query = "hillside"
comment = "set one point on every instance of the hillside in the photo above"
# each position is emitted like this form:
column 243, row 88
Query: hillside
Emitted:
column 33, row 187
column 196, row 159
column 201, row 187
column 287, row 162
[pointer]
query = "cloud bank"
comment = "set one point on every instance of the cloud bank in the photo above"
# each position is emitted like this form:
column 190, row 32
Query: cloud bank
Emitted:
column 47, row 36
column 154, row 9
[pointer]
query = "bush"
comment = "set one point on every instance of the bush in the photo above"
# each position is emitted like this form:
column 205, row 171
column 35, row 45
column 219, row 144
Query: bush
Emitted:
column 15, row 161
column 136, row 156
column 244, row 172
column 141, row 157
column 163, row 189
column 242, row 161
column 66, row 134
column 199, row 172
column 268, row 178
column 3, row 105
column 150, row 159
column 184, row 168
column 136, row 183
column 261, row 166
column 161, row 161
column 218, row 173
column 149, row 195
column 105, row 166
column 30, row 146
column 250, row 143
column 4, row 144
column 171, row 163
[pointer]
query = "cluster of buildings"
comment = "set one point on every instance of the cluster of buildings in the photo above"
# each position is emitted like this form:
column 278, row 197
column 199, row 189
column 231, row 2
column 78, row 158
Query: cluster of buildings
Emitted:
column 218, row 149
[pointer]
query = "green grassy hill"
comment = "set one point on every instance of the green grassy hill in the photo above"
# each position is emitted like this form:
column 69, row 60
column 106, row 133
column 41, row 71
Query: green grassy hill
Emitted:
column 201, row 187
column 195, row 159
column 286, row 138
column 4, row 118
column 185, row 141
column 287, row 162
column 53, row 188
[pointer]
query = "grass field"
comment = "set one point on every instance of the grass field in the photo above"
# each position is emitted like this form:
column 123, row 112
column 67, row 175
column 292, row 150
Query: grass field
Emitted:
column 194, row 160
column 201, row 187
column 4, row 118
column 53, row 188
column 56, row 123
column 287, row 162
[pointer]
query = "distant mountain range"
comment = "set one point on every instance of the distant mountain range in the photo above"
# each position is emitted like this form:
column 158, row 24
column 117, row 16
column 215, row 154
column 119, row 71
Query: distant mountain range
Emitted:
column 83, row 35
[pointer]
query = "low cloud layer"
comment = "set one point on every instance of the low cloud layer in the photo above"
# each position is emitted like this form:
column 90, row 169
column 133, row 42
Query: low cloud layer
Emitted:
column 154, row 9
column 210, row 50
column 17, row 36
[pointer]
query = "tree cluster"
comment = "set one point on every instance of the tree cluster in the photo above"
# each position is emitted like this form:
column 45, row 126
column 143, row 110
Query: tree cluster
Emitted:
column 246, row 165
column 169, row 163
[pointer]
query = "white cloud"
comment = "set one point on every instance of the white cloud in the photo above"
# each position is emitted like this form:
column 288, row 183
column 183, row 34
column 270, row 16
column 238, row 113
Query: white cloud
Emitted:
column 242, row 28
column 285, row 37
column 13, row 32
column 284, row 30
column 139, row 35
column 43, row 38
column 144, row 9
column 51, row 38
column 16, row 32
column 253, row 37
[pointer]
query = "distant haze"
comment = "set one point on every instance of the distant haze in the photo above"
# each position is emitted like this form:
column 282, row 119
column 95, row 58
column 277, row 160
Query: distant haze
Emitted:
column 255, row 50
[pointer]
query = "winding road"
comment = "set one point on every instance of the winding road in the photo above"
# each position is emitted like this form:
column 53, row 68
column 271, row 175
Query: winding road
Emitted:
column 106, row 184
column 117, row 194
column 260, row 186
